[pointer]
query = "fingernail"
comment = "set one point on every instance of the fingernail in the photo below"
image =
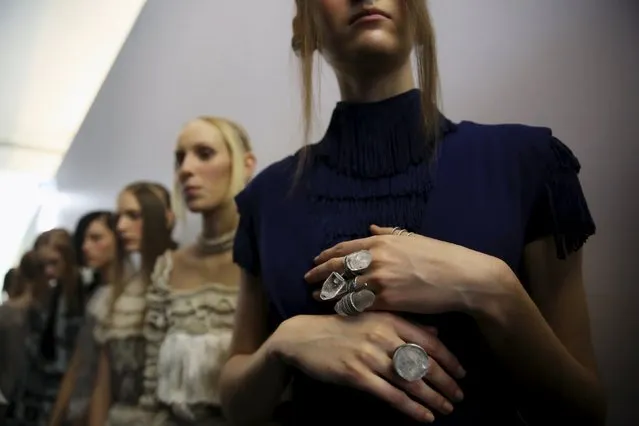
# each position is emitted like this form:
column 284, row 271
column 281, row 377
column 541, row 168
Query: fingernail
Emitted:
column 461, row 373
column 447, row 408
column 429, row 417
column 459, row 396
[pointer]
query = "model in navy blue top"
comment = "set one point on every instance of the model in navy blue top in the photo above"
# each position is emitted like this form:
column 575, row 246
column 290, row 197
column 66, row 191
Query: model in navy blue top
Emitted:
column 498, row 220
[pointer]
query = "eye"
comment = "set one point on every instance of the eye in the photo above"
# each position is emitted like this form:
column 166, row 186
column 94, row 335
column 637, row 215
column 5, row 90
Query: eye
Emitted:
column 204, row 153
column 179, row 159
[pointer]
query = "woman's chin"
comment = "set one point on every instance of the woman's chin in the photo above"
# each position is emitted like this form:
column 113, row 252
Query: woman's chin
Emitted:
column 199, row 206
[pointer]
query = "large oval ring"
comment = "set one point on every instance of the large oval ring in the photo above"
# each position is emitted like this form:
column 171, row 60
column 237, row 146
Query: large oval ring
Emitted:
column 356, row 263
column 411, row 362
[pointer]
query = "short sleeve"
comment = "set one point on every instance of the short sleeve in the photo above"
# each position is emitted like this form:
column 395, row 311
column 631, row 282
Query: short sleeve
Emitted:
column 245, row 248
column 559, row 207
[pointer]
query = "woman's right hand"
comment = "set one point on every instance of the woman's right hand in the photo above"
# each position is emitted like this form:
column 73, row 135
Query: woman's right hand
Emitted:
column 357, row 352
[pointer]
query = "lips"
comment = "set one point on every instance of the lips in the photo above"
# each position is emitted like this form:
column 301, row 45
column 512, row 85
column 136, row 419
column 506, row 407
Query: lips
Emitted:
column 367, row 12
column 190, row 190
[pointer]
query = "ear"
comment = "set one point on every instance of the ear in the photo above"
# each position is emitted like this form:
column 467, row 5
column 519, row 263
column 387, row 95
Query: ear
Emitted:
column 170, row 219
column 250, row 162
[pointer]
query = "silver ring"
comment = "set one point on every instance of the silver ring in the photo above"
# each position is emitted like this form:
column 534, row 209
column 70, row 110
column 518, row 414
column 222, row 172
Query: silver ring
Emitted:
column 398, row 231
column 353, row 285
column 355, row 303
column 334, row 286
column 356, row 263
column 411, row 362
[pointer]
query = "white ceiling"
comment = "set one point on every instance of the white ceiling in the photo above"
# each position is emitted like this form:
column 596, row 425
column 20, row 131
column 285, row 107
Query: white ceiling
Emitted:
column 55, row 55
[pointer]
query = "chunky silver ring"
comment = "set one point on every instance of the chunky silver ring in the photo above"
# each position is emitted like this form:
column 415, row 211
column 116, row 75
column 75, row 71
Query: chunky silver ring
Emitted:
column 354, row 285
column 411, row 362
column 334, row 286
column 356, row 263
column 355, row 303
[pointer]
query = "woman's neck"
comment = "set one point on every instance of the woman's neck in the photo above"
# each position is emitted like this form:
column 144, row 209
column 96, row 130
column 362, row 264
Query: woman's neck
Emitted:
column 35, row 294
column 366, row 86
column 222, row 220
column 107, row 273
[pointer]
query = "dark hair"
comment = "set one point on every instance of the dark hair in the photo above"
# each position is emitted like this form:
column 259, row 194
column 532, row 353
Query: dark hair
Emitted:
column 9, row 279
column 82, row 226
column 30, row 275
column 69, row 287
column 60, row 240
column 110, row 220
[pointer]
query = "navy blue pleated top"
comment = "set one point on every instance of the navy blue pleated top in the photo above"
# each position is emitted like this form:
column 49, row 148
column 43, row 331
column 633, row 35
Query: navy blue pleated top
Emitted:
column 491, row 188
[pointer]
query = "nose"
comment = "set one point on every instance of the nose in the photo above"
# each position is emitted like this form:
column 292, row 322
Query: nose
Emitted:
column 185, row 170
column 122, row 224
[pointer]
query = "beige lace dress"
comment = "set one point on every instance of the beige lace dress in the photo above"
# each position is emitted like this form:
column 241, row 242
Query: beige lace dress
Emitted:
column 120, row 334
column 188, row 333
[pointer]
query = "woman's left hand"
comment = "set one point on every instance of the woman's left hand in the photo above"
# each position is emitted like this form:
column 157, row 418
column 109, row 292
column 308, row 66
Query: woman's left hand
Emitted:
column 413, row 273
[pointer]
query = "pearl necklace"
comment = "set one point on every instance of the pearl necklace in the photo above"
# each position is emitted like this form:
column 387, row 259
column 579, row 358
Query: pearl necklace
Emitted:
column 217, row 244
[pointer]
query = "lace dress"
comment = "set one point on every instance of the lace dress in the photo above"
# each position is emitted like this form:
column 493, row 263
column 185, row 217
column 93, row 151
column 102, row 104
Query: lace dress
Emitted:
column 120, row 334
column 188, row 333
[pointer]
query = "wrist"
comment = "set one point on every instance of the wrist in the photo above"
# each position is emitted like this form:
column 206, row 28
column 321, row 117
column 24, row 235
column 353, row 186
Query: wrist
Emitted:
column 277, row 346
column 499, row 293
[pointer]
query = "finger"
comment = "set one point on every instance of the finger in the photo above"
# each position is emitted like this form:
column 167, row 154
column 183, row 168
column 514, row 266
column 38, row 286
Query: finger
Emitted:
column 423, row 392
column 345, row 248
column 431, row 344
column 322, row 271
column 440, row 380
column 419, row 388
column 430, row 329
column 378, row 230
column 382, row 389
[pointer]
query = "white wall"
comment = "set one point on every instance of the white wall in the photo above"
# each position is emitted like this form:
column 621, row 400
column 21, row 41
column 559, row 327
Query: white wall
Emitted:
column 55, row 55
column 570, row 65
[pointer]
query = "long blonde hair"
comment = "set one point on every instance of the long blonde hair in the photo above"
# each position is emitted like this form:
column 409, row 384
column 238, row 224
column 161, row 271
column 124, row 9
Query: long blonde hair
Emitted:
column 306, row 41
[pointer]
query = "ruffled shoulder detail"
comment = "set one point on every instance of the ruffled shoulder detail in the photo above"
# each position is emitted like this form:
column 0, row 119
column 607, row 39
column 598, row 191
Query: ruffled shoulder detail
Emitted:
column 560, row 208
column 98, row 309
column 155, row 326
column 256, row 197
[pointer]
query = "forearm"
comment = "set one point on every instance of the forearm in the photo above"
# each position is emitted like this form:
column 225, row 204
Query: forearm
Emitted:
column 252, row 385
column 64, row 394
column 100, row 397
column 555, row 383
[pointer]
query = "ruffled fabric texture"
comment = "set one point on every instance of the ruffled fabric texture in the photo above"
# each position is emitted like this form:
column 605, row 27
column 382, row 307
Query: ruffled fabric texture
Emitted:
column 188, row 333
column 374, row 165
column 561, row 209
